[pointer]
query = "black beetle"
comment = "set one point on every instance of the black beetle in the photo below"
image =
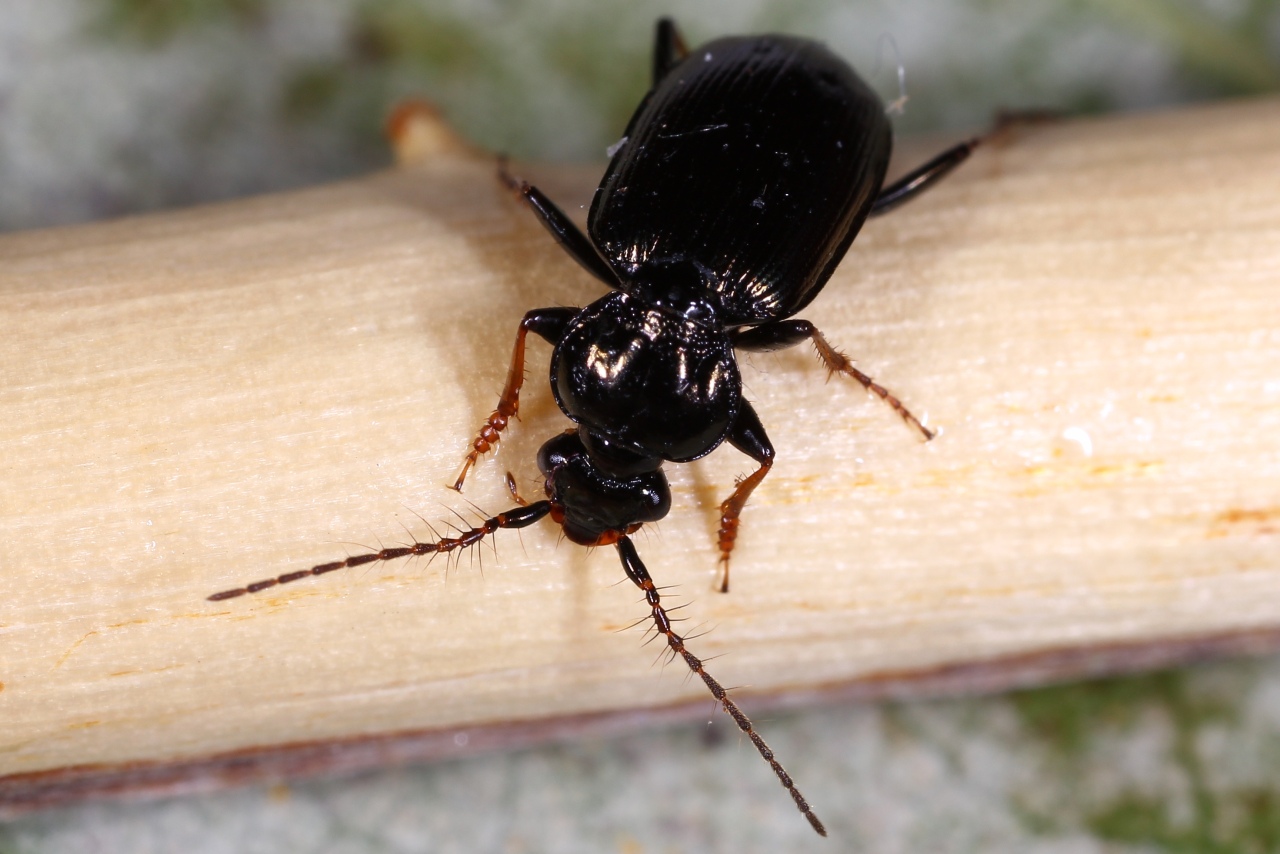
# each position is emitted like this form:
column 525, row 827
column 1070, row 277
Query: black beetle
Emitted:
column 739, row 184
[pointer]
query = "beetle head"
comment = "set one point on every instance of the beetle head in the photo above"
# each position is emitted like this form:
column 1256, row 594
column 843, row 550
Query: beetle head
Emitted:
column 594, row 506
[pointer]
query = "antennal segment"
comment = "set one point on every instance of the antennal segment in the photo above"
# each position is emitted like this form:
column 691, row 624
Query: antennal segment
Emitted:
column 520, row 517
column 636, row 571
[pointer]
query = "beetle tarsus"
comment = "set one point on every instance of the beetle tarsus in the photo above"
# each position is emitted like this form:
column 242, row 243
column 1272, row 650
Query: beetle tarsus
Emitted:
column 549, row 324
column 748, row 436
column 839, row 363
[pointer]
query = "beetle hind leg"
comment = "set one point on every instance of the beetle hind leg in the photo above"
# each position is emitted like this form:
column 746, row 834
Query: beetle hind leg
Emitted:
column 925, row 176
column 668, row 49
column 568, row 235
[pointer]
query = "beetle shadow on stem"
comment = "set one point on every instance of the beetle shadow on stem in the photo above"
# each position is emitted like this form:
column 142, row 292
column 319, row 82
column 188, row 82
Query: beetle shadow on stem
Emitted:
column 512, row 266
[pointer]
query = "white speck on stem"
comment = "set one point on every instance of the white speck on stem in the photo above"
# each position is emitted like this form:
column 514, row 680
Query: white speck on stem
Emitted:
column 1081, row 437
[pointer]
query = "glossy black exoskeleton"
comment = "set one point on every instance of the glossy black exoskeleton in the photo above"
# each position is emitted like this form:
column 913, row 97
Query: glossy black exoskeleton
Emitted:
column 740, row 182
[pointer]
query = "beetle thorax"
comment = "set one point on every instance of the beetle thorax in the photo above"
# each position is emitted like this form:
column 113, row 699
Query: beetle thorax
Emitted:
column 646, row 379
column 678, row 288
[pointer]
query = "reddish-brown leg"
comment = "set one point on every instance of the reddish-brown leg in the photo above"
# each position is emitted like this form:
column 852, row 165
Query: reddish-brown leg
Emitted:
column 749, row 437
column 838, row 363
column 550, row 323
column 637, row 572
column 787, row 333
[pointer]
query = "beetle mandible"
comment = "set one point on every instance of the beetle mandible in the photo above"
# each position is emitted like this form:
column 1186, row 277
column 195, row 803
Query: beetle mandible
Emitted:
column 739, row 184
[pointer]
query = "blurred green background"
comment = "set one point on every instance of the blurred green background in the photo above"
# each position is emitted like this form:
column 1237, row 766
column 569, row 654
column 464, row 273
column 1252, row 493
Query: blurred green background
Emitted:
column 109, row 107
column 116, row 106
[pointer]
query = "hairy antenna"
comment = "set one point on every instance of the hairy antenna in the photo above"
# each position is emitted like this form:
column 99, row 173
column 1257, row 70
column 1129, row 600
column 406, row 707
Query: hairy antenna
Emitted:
column 520, row 517
column 524, row 516
column 636, row 571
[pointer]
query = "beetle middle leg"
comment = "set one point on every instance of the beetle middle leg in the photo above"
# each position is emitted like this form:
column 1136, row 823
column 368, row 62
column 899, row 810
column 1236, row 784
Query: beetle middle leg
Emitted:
column 550, row 323
column 748, row 436
column 787, row 333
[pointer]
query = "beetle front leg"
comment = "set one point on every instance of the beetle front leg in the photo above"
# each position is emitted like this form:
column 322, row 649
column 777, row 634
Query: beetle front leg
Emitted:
column 748, row 436
column 788, row 333
column 550, row 324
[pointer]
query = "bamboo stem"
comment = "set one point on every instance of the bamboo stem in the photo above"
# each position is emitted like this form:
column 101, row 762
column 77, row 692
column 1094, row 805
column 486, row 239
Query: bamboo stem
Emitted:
column 200, row 399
